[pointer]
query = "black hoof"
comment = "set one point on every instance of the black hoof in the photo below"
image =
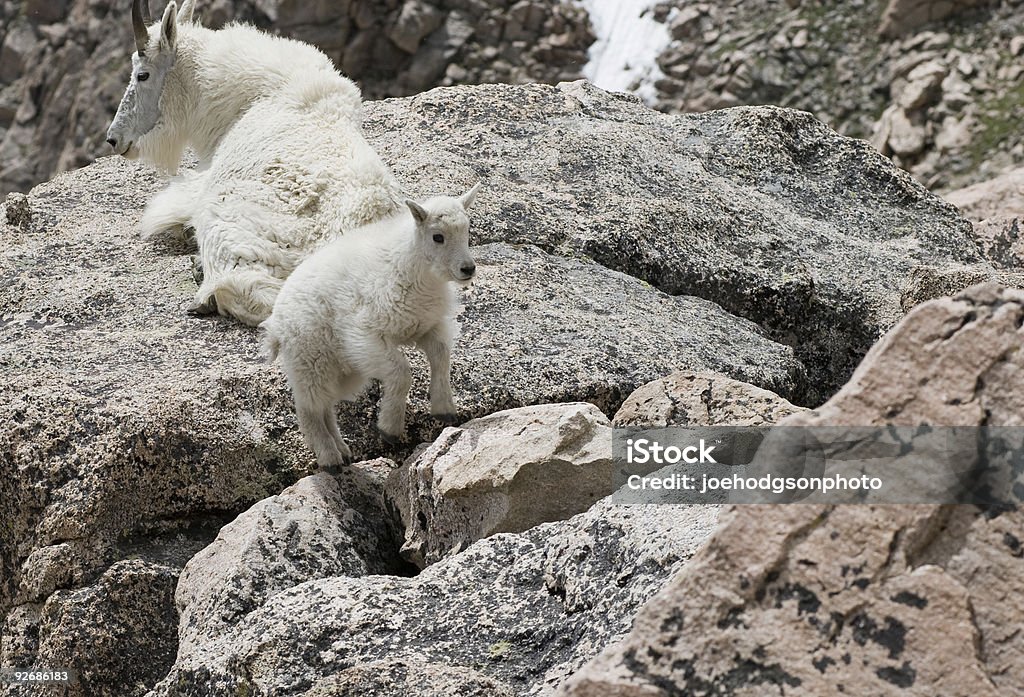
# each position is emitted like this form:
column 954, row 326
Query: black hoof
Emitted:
column 448, row 419
column 335, row 467
column 390, row 438
column 208, row 307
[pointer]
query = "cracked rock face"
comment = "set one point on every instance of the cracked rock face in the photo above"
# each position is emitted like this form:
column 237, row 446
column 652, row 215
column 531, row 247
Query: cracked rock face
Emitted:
column 124, row 621
column 307, row 531
column 868, row 599
column 523, row 610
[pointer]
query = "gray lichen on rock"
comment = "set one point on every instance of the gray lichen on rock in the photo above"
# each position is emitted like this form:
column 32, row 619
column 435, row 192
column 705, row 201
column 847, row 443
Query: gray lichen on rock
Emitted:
column 18, row 211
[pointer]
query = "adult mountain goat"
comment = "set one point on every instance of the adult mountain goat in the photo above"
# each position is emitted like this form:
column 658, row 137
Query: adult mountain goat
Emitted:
column 284, row 164
column 343, row 316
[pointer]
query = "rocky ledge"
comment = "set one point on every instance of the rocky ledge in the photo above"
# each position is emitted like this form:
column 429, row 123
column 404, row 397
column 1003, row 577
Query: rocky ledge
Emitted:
column 156, row 498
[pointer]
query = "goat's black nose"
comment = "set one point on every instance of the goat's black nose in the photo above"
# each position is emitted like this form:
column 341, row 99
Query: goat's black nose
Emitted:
column 113, row 142
column 468, row 270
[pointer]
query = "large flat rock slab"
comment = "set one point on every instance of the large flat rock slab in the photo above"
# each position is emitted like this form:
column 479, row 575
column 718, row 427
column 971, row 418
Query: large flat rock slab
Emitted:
column 765, row 211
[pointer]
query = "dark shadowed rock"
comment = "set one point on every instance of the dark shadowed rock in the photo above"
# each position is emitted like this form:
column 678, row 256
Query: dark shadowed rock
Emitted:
column 117, row 633
column 542, row 328
column 307, row 531
column 764, row 211
column 819, row 600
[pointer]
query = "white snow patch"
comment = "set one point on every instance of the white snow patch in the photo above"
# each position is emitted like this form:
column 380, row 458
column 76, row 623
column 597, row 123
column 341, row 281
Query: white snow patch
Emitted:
column 629, row 41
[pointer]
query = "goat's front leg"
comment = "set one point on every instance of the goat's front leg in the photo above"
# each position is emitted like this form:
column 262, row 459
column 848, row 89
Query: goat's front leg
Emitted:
column 437, row 348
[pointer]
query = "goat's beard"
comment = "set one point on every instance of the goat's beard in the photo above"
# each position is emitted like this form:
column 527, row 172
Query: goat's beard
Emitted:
column 160, row 148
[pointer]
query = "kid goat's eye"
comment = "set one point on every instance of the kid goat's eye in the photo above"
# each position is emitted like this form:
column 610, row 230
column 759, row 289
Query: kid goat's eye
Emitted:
column 143, row 77
column 439, row 238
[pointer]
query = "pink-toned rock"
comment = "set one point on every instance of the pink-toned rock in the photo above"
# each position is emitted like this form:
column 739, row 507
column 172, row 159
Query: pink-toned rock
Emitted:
column 504, row 472
column 930, row 282
column 1000, row 240
column 858, row 600
column 996, row 207
column 904, row 16
column 689, row 398
column 1001, row 196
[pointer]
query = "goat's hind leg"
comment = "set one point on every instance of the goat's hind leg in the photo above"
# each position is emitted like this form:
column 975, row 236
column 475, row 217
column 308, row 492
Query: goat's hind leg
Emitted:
column 320, row 429
column 331, row 424
column 201, row 307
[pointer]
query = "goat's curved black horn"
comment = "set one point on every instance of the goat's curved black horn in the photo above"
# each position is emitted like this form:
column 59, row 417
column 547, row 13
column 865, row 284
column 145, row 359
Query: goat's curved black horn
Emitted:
column 139, row 27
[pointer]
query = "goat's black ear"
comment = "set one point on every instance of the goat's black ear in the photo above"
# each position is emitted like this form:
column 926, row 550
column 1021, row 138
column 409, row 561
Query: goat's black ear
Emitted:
column 418, row 211
column 470, row 196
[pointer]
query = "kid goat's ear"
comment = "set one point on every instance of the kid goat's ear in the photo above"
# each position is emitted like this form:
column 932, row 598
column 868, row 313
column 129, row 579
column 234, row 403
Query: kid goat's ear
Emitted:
column 169, row 26
column 418, row 212
column 470, row 196
column 185, row 13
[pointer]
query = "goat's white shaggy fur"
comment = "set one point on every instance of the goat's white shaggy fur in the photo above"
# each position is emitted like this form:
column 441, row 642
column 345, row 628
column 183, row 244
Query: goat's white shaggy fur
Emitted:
column 284, row 164
column 342, row 317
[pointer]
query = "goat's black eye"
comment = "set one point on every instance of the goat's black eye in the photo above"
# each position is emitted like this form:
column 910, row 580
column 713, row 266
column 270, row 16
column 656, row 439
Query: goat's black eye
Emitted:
column 142, row 77
column 439, row 238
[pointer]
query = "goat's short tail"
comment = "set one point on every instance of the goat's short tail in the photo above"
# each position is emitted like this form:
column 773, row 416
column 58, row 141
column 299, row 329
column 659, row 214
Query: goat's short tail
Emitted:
column 271, row 343
column 173, row 208
column 246, row 295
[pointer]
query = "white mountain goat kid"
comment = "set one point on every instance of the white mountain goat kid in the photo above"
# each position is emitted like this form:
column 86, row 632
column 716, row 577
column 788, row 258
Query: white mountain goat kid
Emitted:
column 344, row 314
column 284, row 164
